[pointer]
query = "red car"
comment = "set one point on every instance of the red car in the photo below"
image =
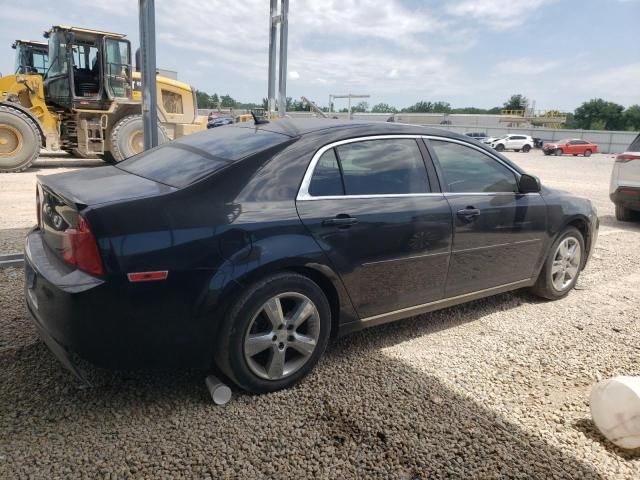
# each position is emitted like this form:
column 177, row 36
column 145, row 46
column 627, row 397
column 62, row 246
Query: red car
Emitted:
column 573, row 146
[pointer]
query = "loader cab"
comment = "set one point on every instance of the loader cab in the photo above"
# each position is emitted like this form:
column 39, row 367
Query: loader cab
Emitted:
column 88, row 69
column 31, row 57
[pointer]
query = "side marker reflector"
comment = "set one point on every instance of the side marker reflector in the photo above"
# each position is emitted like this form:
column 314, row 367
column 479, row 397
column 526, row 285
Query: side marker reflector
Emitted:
column 147, row 276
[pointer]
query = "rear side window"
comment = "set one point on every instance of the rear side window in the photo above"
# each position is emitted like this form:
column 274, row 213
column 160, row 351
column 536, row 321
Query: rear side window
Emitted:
column 326, row 180
column 467, row 170
column 184, row 161
column 379, row 167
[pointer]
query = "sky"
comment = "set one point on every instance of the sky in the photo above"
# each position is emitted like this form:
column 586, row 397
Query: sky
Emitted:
column 465, row 52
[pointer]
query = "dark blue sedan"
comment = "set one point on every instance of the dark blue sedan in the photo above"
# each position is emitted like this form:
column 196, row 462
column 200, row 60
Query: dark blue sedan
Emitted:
column 248, row 247
column 219, row 122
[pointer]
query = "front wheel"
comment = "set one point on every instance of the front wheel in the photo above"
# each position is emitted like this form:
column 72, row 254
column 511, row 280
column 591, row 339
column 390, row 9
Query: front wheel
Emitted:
column 558, row 152
column 526, row 148
column 274, row 333
column 587, row 153
column 500, row 147
column 562, row 267
column 20, row 140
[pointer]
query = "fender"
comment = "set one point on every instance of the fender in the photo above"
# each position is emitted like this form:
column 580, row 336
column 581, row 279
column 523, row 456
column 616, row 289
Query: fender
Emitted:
column 295, row 252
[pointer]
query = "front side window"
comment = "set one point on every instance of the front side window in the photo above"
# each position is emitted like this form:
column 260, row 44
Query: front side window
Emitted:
column 117, row 61
column 382, row 167
column 172, row 102
column 467, row 170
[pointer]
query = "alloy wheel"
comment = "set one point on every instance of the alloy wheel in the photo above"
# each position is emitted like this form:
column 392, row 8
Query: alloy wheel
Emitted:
column 566, row 263
column 282, row 336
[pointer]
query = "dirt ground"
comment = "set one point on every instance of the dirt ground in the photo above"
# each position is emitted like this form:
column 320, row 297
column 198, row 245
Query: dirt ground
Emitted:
column 497, row 388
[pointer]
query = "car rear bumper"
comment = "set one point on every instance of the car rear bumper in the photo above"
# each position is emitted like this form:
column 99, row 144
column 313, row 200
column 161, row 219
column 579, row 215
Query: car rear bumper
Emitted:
column 628, row 197
column 103, row 322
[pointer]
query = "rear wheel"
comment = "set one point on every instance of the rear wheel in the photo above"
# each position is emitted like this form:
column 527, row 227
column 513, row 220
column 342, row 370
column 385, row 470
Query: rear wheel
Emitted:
column 587, row 153
column 562, row 266
column 526, row 148
column 126, row 138
column 500, row 147
column 19, row 140
column 517, row 150
column 558, row 152
column 624, row 214
column 275, row 333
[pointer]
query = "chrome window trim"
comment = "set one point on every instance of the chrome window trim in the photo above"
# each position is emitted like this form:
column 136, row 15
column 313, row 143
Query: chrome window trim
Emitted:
column 303, row 191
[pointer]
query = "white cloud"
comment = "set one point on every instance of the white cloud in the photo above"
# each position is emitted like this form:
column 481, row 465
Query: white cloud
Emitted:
column 293, row 75
column 498, row 14
column 525, row 66
column 393, row 73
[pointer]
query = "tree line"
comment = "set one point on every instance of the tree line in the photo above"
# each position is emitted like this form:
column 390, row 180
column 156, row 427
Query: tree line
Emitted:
column 595, row 114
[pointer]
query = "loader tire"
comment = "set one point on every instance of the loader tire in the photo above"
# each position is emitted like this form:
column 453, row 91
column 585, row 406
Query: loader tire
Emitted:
column 20, row 140
column 126, row 138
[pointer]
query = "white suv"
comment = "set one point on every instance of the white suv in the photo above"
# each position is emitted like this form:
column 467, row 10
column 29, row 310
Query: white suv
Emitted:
column 624, row 190
column 513, row 142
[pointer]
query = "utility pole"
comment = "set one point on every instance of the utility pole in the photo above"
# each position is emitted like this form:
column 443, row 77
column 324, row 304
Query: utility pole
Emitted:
column 148, row 65
column 278, row 63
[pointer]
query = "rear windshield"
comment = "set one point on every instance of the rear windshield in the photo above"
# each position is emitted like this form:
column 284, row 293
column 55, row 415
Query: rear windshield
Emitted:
column 186, row 160
column 635, row 145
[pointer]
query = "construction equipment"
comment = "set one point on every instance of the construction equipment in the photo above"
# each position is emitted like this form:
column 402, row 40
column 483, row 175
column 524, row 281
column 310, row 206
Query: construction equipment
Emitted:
column 31, row 56
column 88, row 103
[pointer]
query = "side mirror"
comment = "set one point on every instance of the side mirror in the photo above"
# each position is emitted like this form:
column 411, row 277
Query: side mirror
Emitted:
column 528, row 184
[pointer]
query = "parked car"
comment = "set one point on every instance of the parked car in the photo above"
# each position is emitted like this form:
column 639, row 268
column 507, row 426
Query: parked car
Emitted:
column 479, row 136
column 513, row 142
column 573, row 146
column 624, row 190
column 248, row 247
column 218, row 122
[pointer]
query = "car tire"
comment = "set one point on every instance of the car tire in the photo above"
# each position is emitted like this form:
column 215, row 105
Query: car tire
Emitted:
column 546, row 153
column 624, row 214
column 553, row 284
column 575, row 154
column 526, row 148
column 517, row 150
column 260, row 372
column 558, row 152
column 500, row 147
column 587, row 153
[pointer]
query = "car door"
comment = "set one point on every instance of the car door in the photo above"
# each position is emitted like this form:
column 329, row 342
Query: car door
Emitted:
column 382, row 221
column 498, row 233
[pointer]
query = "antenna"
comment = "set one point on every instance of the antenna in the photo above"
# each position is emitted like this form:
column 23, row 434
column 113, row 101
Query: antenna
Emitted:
column 258, row 121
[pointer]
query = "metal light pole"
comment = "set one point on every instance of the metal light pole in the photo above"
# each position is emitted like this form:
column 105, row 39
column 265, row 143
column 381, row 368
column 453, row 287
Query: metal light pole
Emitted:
column 148, row 65
column 276, row 19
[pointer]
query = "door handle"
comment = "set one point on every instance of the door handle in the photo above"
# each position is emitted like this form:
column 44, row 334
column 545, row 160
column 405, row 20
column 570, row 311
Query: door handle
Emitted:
column 469, row 213
column 340, row 221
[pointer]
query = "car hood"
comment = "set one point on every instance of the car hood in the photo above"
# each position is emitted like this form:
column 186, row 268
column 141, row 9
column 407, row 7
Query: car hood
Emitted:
column 92, row 186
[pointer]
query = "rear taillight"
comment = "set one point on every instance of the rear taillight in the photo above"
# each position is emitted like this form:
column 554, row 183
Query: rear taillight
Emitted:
column 627, row 157
column 38, row 208
column 79, row 248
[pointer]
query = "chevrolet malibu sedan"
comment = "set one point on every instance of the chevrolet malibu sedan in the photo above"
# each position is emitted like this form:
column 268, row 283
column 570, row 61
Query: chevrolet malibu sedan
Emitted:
column 247, row 248
column 569, row 146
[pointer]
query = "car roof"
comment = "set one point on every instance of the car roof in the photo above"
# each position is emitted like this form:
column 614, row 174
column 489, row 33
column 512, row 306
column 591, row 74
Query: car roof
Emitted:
column 295, row 127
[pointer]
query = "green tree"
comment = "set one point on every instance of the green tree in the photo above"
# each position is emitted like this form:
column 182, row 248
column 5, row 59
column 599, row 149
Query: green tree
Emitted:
column 441, row 107
column 632, row 117
column 419, row 107
column 383, row 108
column 598, row 114
column 226, row 101
column 203, row 99
column 360, row 107
column 516, row 102
column 215, row 100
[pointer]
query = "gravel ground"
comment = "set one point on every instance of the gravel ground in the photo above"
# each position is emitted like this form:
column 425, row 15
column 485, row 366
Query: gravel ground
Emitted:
column 495, row 388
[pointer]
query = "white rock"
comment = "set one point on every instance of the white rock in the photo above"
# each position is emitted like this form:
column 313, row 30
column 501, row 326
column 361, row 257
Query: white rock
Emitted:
column 615, row 409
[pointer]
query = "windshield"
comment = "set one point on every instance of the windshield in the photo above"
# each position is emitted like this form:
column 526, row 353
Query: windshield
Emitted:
column 57, row 57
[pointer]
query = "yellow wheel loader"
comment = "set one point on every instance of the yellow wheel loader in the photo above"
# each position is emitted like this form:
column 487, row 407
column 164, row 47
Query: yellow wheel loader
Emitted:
column 87, row 103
